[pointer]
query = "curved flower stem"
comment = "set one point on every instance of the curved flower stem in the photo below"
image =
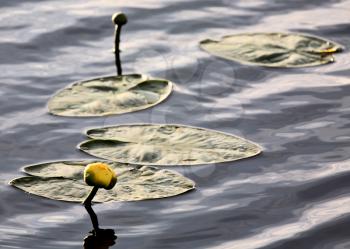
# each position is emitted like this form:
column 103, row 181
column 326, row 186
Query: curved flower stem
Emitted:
column 93, row 218
column 116, row 49
column 91, row 195
column 87, row 204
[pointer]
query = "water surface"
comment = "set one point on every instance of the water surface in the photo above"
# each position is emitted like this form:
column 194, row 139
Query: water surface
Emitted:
column 295, row 195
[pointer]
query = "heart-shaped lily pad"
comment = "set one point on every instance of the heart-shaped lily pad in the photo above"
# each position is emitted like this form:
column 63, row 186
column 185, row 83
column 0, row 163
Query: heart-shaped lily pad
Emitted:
column 273, row 49
column 64, row 181
column 109, row 96
column 151, row 144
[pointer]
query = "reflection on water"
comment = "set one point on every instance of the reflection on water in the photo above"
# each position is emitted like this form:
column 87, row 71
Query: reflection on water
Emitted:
column 98, row 238
column 103, row 239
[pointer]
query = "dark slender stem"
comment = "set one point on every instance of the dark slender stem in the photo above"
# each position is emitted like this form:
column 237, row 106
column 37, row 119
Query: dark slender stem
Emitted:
column 87, row 204
column 90, row 196
column 117, row 50
column 93, row 217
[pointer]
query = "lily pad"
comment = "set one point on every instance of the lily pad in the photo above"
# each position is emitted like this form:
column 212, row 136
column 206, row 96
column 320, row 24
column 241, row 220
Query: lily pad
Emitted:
column 274, row 49
column 151, row 144
column 64, row 181
column 109, row 95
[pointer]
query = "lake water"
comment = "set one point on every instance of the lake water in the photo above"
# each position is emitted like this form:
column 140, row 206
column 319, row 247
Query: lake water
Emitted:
column 294, row 195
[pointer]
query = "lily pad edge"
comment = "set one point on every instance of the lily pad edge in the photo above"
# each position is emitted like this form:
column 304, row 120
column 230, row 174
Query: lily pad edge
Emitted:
column 162, row 99
column 341, row 48
column 261, row 149
column 22, row 169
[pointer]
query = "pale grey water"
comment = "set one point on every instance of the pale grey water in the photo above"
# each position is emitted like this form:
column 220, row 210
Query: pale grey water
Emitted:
column 295, row 195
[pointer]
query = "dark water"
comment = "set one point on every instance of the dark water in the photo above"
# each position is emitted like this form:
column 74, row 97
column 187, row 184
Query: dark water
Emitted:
column 295, row 195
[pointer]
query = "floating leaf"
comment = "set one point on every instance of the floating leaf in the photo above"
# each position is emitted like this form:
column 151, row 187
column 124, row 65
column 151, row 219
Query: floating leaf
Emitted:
column 273, row 49
column 150, row 144
column 109, row 95
column 64, row 181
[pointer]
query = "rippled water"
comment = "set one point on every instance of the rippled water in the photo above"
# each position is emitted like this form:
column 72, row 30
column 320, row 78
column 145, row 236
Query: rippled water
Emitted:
column 295, row 195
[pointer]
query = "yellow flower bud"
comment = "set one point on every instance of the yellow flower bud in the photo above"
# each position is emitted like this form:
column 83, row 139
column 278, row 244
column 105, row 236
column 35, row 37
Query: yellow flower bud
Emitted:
column 100, row 175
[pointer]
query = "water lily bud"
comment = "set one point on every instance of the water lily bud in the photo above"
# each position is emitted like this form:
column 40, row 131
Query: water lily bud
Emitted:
column 100, row 175
column 119, row 19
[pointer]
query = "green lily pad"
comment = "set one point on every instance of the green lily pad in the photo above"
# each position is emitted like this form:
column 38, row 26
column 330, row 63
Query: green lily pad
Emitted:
column 64, row 181
column 274, row 49
column 109, row 96
column 150, row 144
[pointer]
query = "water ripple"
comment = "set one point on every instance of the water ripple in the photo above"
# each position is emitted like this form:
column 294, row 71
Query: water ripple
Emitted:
column 294, row 195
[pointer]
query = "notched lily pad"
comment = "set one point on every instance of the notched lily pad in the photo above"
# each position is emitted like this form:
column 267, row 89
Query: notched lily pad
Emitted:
column 109, row 96
column 150, row 144
column 274, row 49
column 64, row 181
